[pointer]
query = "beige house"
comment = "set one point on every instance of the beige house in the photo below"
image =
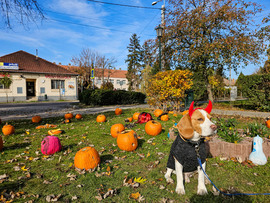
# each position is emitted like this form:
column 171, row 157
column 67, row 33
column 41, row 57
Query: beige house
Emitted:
column 116, row 77
column 34, row 78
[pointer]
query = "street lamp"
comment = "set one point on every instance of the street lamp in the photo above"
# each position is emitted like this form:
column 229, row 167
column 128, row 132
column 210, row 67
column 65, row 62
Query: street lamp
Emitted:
column 159, row 31
column 162, row 11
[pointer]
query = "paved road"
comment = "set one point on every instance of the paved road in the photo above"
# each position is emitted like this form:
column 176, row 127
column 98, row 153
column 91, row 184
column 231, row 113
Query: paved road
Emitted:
column 14, row 111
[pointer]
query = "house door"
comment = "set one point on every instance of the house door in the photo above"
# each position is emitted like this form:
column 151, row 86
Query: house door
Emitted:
column 30, row 88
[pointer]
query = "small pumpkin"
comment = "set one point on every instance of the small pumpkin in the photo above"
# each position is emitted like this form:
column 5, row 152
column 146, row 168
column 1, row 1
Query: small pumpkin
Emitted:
column 101, row 118
column 67, row 121
column 50, row 145
column 68, row 116
column 118, row 111
column 267, row 122
column 55, row 132
column 127, row 140
column 8, row 129
column 36, row 119
column 130, row 119
column 164, row 117
column 1, row 143
column 175, row 114
column 136, row 116
column 171, row 112
column 117, row 128
column 158, row 112
column 87, row 158
column 184, row 112
column 78, row 116
column 153, row 128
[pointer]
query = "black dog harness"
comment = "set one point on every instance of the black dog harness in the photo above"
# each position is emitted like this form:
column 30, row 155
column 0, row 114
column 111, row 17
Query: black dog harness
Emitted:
column 186, row 153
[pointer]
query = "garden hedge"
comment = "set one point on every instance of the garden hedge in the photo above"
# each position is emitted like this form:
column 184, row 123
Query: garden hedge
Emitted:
column 257, row 89
column 99, row 97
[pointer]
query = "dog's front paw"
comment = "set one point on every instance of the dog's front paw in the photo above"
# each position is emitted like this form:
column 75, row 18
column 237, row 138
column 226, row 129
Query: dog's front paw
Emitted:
column 169, row 180
column 180, row 191
column 202, row 191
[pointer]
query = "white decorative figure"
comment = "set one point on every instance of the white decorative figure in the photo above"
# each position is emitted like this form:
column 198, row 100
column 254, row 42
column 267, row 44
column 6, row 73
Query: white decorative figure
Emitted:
column 257, row 156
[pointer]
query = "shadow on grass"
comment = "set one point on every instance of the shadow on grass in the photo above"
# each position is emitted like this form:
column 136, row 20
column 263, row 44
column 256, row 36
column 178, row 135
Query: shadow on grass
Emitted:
column 105, row 157
column 220, row 198
column 16, row 146
column 140, row 143
column 11, row 186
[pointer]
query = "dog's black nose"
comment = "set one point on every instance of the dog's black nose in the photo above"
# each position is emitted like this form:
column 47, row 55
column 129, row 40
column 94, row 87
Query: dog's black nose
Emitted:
column 213, row 127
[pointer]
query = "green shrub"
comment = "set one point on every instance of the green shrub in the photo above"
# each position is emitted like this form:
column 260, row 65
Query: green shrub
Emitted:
column 99, row 97
column 254, row 129
column 227, row 130
column 257, row 89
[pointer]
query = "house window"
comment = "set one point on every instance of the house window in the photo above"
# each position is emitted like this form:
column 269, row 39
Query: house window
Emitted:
column 99, row 81
column 124, row 82
column 42, row 90
column 57, row 84
column 118, row 82
column 19, row 90
column 112, row 81
column 2, row 87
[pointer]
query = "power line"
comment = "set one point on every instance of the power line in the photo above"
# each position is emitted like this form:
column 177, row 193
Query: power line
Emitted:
column 132, row 6
column 97, row 27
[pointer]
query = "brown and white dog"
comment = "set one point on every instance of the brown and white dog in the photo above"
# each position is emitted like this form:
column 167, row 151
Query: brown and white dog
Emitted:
column 192, row 127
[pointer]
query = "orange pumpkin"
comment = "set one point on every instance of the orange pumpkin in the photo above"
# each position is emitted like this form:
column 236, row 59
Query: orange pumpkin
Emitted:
column 153, row 128
column 1, row 143
column 175, row 114
column 68, row 116
column 117, row 128
column 127, row 140
column 135, row 116
column 78, row 116
column 67, row 121
column 36, row 119
column 164, row 117
column 158, row 112
column 101, row 118
column 87, row 158
column 171, row 112
column 8, row 129
column 267, row 122
column 130, row 119
column 118, row 111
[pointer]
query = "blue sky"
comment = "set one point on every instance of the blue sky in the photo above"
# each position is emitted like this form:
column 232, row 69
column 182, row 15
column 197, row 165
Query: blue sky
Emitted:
column 72, row 25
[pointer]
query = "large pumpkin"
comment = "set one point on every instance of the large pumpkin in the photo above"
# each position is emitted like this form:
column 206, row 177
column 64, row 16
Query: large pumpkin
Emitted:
column 8, row 129
column 50, row 145
column 117, row 128
column 158, row 112
column 1, row 143
column 118, row 111
column 101, row 118
column 153, row 128
column 87, row 158
column 127, row 140
column 135, row 116
column 36, row 119
column 78, row 116
column 68, row 116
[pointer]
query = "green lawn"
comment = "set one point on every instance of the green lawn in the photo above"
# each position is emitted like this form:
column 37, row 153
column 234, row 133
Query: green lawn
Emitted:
column 33, row 176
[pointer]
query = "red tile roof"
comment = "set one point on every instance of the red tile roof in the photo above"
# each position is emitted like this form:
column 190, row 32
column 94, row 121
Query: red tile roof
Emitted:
column 29, row 63
column 98, row 72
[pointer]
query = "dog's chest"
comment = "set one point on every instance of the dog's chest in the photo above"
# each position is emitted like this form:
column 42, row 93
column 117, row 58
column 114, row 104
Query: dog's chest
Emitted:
column 186, row 155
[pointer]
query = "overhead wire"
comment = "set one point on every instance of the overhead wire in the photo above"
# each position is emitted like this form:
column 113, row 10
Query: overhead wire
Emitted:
column 132, row 6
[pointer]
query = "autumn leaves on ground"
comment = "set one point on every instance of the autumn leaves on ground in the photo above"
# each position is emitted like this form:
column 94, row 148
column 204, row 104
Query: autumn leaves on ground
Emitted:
column 130, row 168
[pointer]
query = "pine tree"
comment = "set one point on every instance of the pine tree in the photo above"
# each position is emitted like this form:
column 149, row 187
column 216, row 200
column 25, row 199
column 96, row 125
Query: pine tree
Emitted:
column 134, row 60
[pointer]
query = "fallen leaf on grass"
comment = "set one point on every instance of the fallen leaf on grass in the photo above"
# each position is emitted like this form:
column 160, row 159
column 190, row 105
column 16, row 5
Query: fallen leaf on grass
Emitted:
column 137, row 196
column 3, row 178
column 140, row 180
column 71, row 176
column 53, row 198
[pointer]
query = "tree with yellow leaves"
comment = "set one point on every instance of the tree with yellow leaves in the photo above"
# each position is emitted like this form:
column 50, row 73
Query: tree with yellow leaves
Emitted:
column 168, row 88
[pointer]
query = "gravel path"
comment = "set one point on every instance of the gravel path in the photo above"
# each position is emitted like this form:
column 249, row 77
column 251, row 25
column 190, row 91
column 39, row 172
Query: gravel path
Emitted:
column 53, row 109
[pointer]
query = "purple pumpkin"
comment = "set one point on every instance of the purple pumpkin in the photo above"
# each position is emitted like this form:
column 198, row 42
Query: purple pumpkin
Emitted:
column 50, row 145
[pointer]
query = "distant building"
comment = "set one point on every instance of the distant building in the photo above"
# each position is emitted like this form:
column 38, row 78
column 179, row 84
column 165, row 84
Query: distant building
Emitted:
column 116, row 77
column 34, row 78
column 233, row 88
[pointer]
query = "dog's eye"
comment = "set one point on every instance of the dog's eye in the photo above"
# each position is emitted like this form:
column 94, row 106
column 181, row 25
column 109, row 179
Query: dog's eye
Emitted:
column 200, row 119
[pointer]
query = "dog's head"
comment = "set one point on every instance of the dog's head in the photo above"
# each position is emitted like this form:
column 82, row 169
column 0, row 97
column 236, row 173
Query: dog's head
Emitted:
column 197, row 123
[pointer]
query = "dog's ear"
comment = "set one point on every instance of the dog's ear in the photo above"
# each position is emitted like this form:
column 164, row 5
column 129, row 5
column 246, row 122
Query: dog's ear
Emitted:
column 185, row 128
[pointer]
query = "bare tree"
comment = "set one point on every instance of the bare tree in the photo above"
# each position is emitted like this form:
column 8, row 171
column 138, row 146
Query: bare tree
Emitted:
column 20, row 11
column 105, row 68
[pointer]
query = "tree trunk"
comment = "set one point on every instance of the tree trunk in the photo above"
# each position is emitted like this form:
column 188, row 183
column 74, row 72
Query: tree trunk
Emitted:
column 209, row 92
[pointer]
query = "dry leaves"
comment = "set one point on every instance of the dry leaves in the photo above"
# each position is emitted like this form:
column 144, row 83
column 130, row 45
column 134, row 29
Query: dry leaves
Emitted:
column 137, row 196
column 53, row 198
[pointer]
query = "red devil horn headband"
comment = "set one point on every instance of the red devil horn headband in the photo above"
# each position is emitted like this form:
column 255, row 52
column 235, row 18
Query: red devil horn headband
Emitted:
column 208, row 109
